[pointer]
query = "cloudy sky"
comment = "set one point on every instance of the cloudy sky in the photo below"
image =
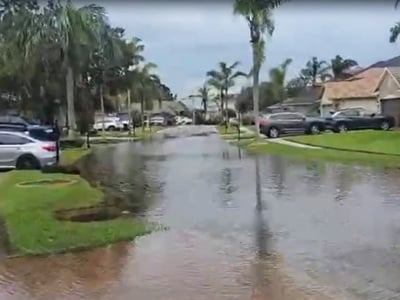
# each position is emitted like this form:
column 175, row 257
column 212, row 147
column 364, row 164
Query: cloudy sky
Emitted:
column 187, row 40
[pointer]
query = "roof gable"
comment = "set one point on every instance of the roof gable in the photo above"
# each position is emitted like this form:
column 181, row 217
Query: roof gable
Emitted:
column 362, row 85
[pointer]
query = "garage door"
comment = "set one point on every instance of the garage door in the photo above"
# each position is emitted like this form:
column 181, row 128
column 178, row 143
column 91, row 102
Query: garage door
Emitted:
column 391, row 107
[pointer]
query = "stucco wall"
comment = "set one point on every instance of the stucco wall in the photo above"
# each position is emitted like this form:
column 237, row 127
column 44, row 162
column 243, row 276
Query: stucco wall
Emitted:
column 388, row 86
column 368, row 104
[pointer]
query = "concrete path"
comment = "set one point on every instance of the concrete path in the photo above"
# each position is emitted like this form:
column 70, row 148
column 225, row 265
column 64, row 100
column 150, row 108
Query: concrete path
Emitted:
column 293, row 144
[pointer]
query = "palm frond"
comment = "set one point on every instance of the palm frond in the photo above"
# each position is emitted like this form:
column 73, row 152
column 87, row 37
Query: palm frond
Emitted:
column 394, row 32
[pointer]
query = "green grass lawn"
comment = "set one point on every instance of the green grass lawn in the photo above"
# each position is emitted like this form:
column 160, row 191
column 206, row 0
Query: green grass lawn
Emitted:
column 28, row 214
column 385, row 142
column 319, row 154
column 70, row 156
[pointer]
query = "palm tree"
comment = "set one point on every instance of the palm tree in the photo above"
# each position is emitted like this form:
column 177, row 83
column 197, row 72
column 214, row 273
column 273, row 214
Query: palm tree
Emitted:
column 340, row 65
column 73, row 32
column 203, row 92
column 277, row 78
column 258, row 14
column 223, row 79
column 315, row 69
column 143, row 82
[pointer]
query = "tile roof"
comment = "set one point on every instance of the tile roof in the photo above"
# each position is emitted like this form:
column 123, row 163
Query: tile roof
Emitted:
column 362, row 85
column 395, row 72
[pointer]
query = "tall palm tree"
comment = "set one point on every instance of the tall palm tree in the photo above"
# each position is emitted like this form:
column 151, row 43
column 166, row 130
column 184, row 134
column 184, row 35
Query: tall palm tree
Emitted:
column 203, row 92
column 74, row 32
column 258, row 14
column 315, row 69
column 277, row 78
column 223, row 79
column 340, row 65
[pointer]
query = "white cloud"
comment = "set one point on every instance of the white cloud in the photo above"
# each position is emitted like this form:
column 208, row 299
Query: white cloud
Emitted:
column 185, row 41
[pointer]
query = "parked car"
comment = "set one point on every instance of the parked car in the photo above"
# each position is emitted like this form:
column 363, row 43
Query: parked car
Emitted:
column 157, row 120
column 356, row 119
column 42, row 133
column 110, row 124
column 179, row 120
column 21, row 151
column 273, row 125
column 10, row 119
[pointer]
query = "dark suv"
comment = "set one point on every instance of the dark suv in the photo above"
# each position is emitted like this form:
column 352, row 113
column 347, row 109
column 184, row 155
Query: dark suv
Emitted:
column 273, row 125
column 356, row 119
column 10, row 119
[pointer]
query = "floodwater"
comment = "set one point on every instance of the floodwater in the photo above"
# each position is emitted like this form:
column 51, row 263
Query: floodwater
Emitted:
column 240, row 227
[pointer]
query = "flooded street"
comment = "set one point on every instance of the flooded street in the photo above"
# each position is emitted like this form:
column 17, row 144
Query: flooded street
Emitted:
column 239, row 227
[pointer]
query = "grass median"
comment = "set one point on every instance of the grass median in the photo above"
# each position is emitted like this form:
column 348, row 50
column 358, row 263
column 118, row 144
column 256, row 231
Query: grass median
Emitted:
column 368, row 141
column 30, row 219
column 323, row 154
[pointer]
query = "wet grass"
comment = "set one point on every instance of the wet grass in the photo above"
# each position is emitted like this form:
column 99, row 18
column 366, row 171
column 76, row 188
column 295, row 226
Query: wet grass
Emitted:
column 71, row 156
column 384, row 142
column 233, row 134
column 30, row 219
column 31, row 224
column 308, row 154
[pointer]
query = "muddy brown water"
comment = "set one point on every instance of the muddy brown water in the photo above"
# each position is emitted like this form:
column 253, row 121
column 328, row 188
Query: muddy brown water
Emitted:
column 241, row 227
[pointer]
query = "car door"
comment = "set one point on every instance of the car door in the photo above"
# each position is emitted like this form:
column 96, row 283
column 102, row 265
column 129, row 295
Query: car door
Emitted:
column 10, row 149
column 354, row 119
column 297, row 122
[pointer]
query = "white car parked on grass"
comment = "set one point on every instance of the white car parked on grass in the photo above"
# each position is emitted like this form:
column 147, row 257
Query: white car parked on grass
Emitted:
column 183, row 120
column 110, row 124
column 21, row 151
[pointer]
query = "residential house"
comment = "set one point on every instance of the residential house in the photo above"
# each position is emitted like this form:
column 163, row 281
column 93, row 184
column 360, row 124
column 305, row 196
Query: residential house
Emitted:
column 175, row 108
column 304, row 103
column 375, row 89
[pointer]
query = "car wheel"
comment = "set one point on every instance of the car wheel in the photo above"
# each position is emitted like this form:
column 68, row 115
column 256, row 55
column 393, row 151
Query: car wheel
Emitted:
column 315, row 129
column 273, row 133
column 27, row 162
column 385, row 125
column 111, row 128
column 342, row 128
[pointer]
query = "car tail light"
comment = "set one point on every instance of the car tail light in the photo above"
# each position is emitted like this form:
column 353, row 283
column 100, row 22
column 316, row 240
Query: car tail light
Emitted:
column 263, row 122
column 50, row 147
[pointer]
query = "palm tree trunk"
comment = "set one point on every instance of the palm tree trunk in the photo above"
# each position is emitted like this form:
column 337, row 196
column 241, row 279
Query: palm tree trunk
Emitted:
column 205, row 108
column 128, row 92
column 103, row 132
column 256, row 91
column 142, row 111
column 70, row 102
column 226, row 111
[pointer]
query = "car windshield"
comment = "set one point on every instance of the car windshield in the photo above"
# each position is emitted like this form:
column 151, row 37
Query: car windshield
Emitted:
column 43, row 135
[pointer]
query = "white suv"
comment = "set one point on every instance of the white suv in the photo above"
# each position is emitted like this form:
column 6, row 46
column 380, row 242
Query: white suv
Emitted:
column 21, row 151
column 110, row 124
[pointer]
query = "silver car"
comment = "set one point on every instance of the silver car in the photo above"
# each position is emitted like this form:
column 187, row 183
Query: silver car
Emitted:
column 21, row 151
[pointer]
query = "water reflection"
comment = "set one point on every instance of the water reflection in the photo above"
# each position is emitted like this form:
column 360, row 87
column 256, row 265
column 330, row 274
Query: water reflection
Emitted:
column 71, row 276
column 253, row 245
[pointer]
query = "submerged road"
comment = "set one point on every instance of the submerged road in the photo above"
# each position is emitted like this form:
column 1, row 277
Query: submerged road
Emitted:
column 240, row 227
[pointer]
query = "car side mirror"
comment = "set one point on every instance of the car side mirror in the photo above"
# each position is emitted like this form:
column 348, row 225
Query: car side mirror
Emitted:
column 373, row 115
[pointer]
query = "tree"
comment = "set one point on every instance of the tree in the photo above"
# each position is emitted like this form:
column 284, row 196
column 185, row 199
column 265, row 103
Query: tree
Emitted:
column 203, row 92
column 295, row 86
column 258, row 14
column 315, row 70
column 223, row 79
column 72, row 32
column 143, row 82
column 340, row 65
column 277, row 78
